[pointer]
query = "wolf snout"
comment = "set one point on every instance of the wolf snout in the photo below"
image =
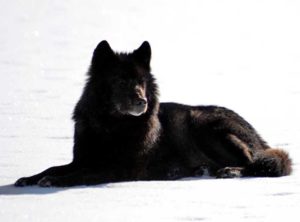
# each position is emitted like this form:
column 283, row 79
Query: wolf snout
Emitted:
column 140, row 102
column 139, row 106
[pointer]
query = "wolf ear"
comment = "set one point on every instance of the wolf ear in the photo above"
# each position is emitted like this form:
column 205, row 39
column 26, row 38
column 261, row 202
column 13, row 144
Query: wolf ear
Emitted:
column 143, row 54
column 102, row 54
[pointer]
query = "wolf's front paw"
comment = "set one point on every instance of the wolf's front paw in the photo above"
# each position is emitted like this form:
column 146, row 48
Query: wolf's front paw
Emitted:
column 48, row 181
column 24, row 181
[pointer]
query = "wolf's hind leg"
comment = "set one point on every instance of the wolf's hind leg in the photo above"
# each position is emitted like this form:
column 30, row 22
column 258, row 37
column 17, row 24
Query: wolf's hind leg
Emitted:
column 243, row 158
column 230, row 172
column 241, row 147
column 261, row 161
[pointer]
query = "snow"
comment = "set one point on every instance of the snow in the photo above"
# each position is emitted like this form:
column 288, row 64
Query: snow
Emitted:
column 244, row 55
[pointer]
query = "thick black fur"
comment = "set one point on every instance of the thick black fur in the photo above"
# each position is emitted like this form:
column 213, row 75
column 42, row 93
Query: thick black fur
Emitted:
column 123, row 133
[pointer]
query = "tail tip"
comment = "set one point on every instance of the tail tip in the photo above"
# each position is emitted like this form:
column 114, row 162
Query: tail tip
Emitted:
column 270, row 163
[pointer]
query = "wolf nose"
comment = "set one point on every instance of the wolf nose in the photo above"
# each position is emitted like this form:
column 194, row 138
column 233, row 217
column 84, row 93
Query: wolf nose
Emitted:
column 140, row 102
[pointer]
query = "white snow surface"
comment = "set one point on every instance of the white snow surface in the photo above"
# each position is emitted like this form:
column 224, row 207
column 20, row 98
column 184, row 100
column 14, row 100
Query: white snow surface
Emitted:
column 244, row 55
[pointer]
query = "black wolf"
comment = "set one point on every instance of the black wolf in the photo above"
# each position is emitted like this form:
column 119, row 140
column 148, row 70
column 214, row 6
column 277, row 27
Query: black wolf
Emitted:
column 123, row 133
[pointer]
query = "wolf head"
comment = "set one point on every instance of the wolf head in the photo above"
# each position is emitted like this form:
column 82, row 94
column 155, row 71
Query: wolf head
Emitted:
column 122, row 81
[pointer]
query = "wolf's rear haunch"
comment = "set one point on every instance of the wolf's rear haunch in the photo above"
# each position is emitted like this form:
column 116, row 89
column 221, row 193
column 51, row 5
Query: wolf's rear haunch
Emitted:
column 123, row 133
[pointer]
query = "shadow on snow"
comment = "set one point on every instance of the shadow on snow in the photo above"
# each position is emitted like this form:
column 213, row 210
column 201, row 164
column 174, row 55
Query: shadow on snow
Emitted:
column 10, row 189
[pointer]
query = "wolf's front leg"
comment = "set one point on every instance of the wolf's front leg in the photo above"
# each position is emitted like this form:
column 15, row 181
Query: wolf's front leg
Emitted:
column 83, row 176
column 53, row 172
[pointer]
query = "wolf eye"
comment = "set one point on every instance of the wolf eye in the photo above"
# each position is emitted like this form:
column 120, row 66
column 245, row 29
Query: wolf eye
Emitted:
column 142, row 82
column 122, row 82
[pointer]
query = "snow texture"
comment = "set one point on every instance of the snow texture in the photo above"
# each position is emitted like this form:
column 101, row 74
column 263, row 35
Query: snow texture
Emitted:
column 244, row 55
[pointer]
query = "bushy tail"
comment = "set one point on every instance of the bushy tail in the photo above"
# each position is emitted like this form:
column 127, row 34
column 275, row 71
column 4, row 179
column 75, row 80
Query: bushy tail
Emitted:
column 269, row 163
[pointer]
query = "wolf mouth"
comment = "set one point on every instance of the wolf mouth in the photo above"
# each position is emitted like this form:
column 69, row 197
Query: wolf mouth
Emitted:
column 136, row 112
